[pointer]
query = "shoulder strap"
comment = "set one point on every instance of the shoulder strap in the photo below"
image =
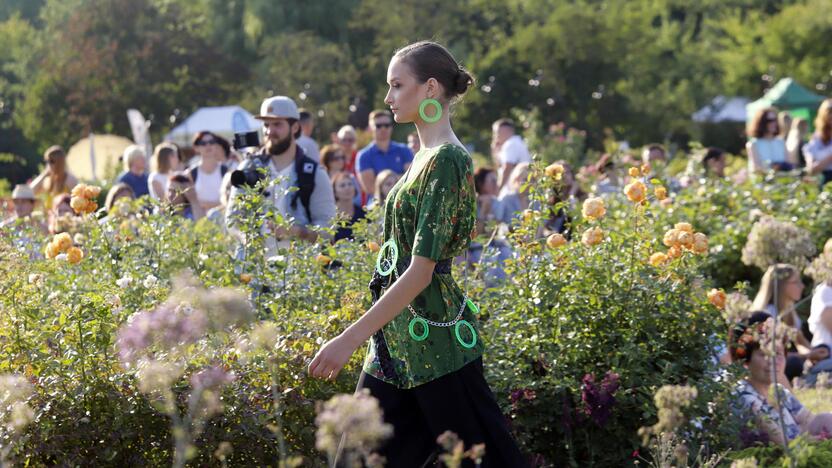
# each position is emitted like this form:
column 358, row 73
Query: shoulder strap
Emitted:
column 305, row 169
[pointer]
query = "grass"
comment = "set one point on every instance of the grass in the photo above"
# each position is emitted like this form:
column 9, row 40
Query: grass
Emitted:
column 817, row 400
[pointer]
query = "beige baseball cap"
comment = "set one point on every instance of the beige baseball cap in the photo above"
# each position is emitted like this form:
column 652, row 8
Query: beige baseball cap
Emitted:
column 278, row 107
column 23, row 192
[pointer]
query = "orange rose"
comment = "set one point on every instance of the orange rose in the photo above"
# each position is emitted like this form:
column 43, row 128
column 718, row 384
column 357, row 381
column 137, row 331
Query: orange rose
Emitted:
column 63, row 241
column 323, row 259
column 52, row 250
column 245, row 278
column 74, row 255
column 633, row 171
column 78, row 191
column 636, row 191
column 592, row 236
column 671, row 238
column 661, row 193
column 555, row 171
column 593, row 208
column 700, row 243
column 645, row 169
column 717, row 298
column 687, row 227
column 91, row 191
column 674, row 252
column 684, row 239
column 555, row 240
column 373, row 246
column 657, row 259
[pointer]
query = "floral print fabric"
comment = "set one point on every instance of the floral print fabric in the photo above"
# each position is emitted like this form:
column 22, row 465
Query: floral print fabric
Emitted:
column 430, row 212
column 753, row 403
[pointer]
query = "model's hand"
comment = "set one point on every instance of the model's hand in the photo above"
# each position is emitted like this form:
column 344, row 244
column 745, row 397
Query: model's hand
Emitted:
column 331, row 358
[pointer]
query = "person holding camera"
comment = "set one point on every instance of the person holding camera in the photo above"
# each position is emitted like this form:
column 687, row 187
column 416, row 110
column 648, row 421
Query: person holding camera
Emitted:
column 313, row 203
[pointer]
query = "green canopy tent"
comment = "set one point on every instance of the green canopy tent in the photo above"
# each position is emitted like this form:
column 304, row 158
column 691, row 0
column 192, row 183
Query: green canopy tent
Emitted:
column 788, row 95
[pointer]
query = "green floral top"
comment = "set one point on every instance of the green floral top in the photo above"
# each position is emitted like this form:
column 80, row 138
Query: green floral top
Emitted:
column 430, row 212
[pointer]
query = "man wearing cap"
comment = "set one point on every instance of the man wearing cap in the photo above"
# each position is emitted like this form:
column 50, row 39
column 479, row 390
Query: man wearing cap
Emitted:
column 313, row 204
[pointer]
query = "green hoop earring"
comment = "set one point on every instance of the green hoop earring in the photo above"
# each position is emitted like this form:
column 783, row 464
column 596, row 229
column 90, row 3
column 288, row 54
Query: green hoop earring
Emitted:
column 432, row 102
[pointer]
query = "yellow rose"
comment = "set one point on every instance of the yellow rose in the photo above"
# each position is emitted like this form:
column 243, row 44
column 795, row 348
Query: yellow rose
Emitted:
column 717, row 298
column 373, row 246
column 685, row 239
column 661, row 193
column 636, row 191
column 555, row 240
column 645, row 169
column 700, row 243
column 79, row 190
column 52, row 250
column 555, row 171
column 633, row 171
column 245, row 278
column 594, row 208
column 74, row 255
column 687, row 227
column 671, row 238
column 63, row 241
column 657, row 259
column 323, row 259
column 592, row 236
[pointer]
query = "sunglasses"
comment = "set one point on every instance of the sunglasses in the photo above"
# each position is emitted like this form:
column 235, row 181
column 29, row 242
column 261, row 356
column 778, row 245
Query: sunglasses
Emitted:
column 383, row 125
column 338, row 158
column 206, row 142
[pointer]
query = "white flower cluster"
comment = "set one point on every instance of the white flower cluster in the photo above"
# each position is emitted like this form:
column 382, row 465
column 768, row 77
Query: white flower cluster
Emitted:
column 771, row 241
column 15, row 412
column 737, row 307
column 357, row 418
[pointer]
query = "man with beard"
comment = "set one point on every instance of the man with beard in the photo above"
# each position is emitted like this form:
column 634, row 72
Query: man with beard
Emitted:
column 313, row 203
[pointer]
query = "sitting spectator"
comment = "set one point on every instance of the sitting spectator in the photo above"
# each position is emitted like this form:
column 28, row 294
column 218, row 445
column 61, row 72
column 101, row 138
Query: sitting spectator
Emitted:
column 796, row 139
column 820, row 325
column 61, row 214
column 165, row 161
column 384, row 183
column 561, row 201
column 382, row 154
column 134, row 175
column 514, row 199
column 207, row 174
column 496, row 247
column 818, row 151
column 766, row 150
column 713, row 162
column 217, row 214
column 23, row 199
column 117, row 192
column 344, row 188
column 753, row 392
column 56, row 178
column 346, row 138
column 783, row 281
column 607, row 181
column 413, row 142
column 182, row 197
column 305, row 141
column 333, row 159
column 485, row 184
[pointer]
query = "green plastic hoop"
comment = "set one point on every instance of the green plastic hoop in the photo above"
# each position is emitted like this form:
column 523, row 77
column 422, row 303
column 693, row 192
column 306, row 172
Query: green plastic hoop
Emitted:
column 432, row 102
column 412, row 326
column 390, row 244
column 459, row 337
column 474, row 309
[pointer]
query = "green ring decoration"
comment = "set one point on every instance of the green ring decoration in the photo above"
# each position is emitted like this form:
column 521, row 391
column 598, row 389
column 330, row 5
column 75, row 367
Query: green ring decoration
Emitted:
column 412, row 325
column 390, row 244
column 424, row 104
column 474, row 309
column 473, row 333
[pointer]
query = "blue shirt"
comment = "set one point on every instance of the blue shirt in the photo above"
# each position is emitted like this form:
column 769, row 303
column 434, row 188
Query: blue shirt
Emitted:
column 395, row 158
column 136, row 182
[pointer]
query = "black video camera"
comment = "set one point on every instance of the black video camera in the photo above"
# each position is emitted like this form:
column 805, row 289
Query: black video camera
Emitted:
column 251, row 170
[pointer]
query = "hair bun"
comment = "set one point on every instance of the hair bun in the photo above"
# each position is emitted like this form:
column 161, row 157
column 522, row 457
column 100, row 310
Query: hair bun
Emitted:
column 463, row 81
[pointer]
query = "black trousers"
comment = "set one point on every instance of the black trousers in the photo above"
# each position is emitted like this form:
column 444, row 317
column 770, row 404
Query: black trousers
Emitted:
column 460, row 402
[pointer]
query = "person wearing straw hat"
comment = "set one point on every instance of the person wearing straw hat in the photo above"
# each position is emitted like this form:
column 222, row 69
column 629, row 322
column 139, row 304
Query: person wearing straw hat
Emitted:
column 23, row 198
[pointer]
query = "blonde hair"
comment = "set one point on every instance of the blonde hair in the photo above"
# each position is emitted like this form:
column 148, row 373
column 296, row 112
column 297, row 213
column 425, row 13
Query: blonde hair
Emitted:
column 381, row 178
column 776, row 276
column 161, row 157
column 131, row 153
column 114, row 192
column 342, row 132
column 56, row 183
column 823, row 121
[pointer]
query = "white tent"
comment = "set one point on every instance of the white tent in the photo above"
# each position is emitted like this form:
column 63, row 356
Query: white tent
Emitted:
column 723, row 109
column 223, row 121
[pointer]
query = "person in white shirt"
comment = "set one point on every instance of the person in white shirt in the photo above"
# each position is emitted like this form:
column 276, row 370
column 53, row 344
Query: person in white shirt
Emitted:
column 305, row 141
column 207, row 175
column 820, row 318
column 165, row 162
column 508, row 150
